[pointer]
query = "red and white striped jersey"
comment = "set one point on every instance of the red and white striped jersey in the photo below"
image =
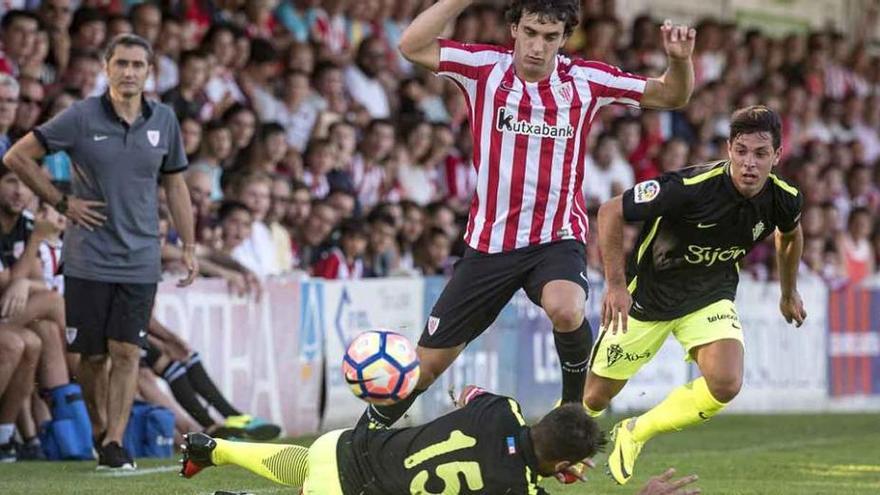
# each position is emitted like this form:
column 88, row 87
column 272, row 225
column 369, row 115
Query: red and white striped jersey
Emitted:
column 530, row 142
column 371, row 183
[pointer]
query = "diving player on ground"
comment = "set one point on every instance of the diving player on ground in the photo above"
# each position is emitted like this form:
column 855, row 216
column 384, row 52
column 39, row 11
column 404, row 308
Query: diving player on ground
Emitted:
column 485, row 447
column 699, row 223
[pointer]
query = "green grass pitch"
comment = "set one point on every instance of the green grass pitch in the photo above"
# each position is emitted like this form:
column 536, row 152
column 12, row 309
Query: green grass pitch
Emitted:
column 733, row 454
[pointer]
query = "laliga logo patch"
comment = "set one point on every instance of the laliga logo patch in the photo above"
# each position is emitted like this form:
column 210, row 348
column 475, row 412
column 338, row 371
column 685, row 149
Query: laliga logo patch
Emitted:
column 70, row 334
column 646, row 191
column 433, row 323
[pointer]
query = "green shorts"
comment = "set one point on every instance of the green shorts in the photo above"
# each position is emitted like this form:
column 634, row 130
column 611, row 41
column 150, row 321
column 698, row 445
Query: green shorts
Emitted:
column 620, row 356
column 323, row 478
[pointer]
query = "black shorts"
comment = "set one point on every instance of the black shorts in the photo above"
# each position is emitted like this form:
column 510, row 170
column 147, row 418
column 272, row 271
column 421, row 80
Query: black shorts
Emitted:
column 482, row 284
column 101, row 311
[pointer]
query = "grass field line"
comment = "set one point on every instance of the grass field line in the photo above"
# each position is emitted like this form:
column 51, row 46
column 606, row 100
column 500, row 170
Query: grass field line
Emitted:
column 764, row 447
column 138, row 472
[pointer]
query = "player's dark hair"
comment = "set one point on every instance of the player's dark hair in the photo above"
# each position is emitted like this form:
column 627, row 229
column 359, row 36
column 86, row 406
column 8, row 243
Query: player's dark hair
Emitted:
column 229, row 207
column 564, row 11
column 756, row 118
column 128, row 39
column 567, row 433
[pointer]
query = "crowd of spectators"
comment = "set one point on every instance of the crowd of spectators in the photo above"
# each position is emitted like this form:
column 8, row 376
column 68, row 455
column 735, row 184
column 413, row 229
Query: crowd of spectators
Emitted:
column 315, row 146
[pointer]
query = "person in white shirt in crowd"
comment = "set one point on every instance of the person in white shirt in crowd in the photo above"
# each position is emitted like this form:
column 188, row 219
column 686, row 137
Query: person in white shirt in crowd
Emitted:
column 257, row 252
column 372, row 181
column 281, row 196
column 362, row 78
column 292, row 110
column 222, row 88
column 418, row 157
column 235, row 220
column 258, row 78
column 606, row 172
column 168, row 49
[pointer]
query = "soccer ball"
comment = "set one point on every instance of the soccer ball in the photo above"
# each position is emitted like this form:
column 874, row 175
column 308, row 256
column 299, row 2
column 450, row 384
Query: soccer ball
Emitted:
column 381, row 367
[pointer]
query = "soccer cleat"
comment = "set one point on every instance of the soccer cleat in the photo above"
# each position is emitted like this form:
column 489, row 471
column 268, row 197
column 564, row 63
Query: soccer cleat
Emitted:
column 254, row 428
column 221, row 492
column 622, row 459
column 197, row 449
column 8, row 453
column 113, row 457
column 30, row 451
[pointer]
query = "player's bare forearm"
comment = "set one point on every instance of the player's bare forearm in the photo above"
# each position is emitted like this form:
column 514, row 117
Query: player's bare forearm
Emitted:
column 418, row 44
column 789, row 247
column 224, row 262
column 611, row 241
column 181, row 207
column 28, row 265
column 22, row 159
column 673, row 89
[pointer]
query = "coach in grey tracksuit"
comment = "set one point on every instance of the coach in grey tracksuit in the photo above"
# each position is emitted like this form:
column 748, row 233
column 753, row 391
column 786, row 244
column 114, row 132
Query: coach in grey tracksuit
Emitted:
column 120, row 145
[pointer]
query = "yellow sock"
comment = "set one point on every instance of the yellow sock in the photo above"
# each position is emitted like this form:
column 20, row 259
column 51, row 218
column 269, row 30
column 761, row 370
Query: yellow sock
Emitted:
column 285, row 464
column 686, row 405
column 592, row 413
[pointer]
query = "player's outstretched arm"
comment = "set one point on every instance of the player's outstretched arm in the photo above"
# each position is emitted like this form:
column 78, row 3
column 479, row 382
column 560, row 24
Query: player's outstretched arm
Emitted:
column 617, row 301
column 418, row 44
column 673, row 89
column 789, row 247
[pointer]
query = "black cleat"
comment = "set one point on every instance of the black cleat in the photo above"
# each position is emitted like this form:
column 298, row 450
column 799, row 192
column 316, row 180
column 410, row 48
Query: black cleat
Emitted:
column 196, row 449
column 113, row 457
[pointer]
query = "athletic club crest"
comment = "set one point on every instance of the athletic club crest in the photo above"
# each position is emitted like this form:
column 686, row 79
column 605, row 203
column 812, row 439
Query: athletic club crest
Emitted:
column 70, row 334
column 564, row 92
column 433, row 323
column 153, row 137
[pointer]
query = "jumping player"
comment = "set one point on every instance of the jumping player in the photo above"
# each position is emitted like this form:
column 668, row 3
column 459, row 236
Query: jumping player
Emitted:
column 531, row 110
column 699, row 223
column 483, row 447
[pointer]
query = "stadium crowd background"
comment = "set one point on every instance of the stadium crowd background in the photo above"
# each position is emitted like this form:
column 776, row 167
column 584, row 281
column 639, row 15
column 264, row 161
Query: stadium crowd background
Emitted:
column 314, row 146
